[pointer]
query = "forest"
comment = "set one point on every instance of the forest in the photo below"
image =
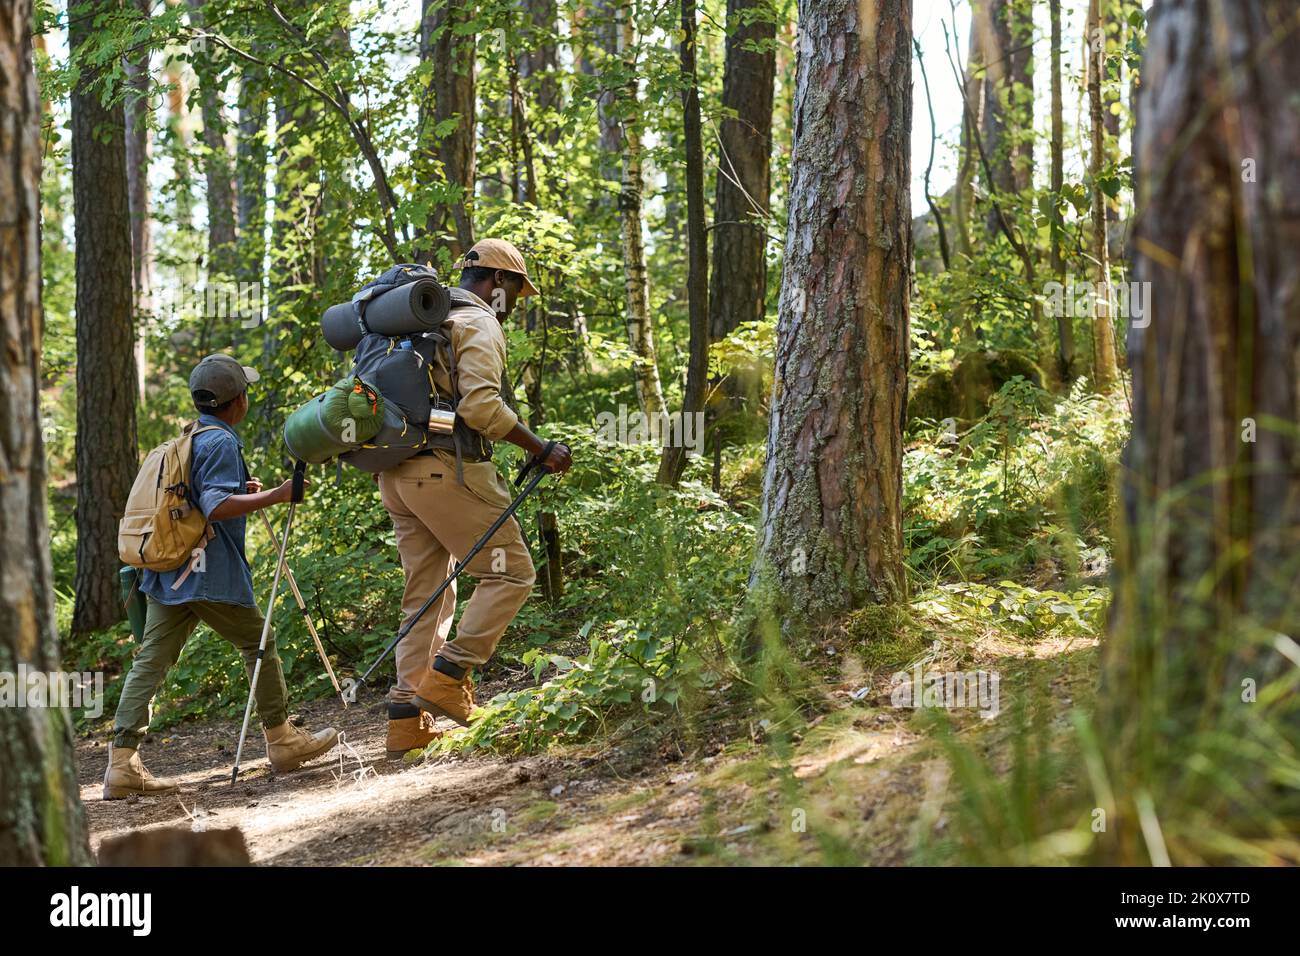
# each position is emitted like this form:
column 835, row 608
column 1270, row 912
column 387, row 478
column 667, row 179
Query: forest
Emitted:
column 929, row 371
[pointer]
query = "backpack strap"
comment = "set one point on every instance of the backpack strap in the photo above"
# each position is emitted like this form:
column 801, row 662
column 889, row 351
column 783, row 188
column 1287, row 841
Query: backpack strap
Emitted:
column 209, row 532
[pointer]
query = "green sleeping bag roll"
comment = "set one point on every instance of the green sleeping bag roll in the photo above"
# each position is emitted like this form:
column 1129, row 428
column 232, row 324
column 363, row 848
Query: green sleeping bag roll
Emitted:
column 348, row 414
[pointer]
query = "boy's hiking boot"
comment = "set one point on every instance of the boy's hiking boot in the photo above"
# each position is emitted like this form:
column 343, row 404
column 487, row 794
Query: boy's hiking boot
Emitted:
column 289, row 747
column 447, row 696
column 410, row 733
column 127, row 775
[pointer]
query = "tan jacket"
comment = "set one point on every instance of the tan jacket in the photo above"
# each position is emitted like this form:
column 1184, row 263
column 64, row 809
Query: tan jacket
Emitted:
column 480, row 348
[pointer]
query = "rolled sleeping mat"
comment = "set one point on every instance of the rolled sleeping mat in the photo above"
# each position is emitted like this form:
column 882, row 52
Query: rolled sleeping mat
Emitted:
column 347, row 415
column 418, row 306
column 395, row 442
column 341, row 327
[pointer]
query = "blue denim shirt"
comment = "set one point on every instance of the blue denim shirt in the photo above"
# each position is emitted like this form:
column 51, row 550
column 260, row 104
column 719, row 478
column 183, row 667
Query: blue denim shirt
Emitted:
column 217, row 471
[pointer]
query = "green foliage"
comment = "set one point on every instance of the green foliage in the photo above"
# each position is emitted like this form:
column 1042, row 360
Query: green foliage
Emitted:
column 1027, row 485
column 653, row 579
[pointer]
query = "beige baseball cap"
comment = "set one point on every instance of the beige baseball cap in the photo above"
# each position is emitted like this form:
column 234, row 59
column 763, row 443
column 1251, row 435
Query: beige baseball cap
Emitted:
column 498, row 254
column 219, row 378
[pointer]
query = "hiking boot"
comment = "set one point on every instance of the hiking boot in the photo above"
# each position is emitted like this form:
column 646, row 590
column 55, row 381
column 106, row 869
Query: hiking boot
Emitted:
column 289, row 747
column 446, row 696
column 127, row 775
column 410, row 733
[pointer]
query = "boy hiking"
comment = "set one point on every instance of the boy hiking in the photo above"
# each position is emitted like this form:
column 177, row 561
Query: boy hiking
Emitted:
column 217, row 592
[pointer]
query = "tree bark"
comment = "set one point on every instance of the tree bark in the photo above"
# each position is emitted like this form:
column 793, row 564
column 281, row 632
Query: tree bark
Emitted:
column 1064, row 322
column 250, row 174
column 1105, row 370
column 742, row 196
column 991, row 19
column 831, row 533
column 742, row 205
column 1020, row 93
column 137, row 186
column 1207, row 576
column 963, row 194
column 106, row 374
column 450, row 224
column 217, row 169
column 41, row 817
column 673, row 462
column 636, row 279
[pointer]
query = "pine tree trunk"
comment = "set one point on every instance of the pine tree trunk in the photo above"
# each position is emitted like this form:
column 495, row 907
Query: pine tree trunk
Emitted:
column 673, row 462
column 1105, row 370
column 1206, row 580
column 450, row 96
column 137, row 186
column 250, row 174
column 742, row 197
column 831, row 528
column 179, row 130
column 992, row 18
column 216, row 161
column 41, row 818
column 106, row 375
column 1020, row 93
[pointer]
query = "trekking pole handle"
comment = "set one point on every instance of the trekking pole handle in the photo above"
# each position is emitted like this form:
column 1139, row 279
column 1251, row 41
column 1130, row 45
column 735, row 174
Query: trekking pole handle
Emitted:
column 299, row 481
column 538, row 461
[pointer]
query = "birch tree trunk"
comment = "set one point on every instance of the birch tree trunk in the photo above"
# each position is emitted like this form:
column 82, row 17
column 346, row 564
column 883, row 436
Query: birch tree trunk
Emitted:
column 1064, row 323
column 636, row 279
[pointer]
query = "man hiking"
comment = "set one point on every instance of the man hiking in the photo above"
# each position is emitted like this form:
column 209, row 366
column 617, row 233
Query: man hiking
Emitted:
column 441, row 503
column 219, row 592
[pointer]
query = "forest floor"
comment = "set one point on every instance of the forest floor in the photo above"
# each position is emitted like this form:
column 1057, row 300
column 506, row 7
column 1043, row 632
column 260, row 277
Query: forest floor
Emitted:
column 857, row 781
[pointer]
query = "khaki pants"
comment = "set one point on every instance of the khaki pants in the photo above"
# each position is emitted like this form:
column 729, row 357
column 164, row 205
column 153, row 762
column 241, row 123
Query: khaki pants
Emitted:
column 438, row 520
column 166, row 628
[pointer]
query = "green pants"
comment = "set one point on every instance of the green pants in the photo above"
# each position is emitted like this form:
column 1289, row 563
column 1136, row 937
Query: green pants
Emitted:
column 166, row 628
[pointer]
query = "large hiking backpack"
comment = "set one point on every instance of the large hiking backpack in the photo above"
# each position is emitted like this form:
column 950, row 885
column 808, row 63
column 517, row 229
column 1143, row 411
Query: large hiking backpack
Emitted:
column 161, row 527
column 395, row 324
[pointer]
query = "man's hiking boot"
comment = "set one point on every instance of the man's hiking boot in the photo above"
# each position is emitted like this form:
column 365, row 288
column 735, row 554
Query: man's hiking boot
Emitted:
column 446, row 696
column 289, row 747
column 410, row 733
column 127, row 775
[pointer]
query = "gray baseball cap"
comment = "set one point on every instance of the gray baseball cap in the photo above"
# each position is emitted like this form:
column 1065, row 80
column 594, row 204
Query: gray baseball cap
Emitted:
column 218, row 379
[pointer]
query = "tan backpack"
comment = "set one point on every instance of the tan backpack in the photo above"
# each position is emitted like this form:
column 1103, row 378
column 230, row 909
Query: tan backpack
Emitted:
column 161, row 527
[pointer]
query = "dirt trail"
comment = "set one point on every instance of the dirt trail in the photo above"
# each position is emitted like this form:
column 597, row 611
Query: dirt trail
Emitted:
column 711, row 790
column 357, row 807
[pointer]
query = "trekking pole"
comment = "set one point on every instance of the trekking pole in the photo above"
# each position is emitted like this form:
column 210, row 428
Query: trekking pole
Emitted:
column 306, row 614
column 535, row 462
column 298, row 480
